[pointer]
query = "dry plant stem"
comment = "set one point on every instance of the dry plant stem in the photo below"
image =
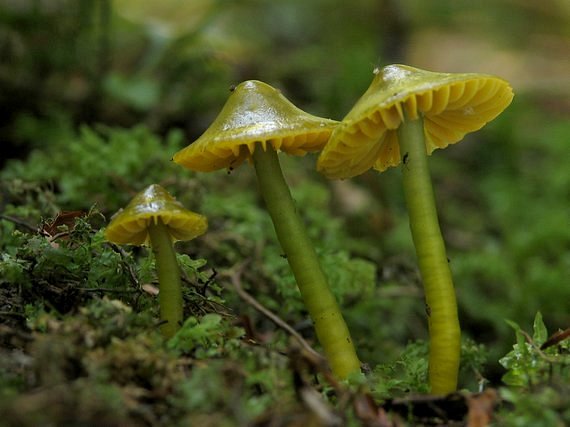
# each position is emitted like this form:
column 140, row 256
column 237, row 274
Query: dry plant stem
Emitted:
column 321, row 304
column 235, row 277
column 170, row 295
column 127, row 266
column 22, row 223
column 444, row 331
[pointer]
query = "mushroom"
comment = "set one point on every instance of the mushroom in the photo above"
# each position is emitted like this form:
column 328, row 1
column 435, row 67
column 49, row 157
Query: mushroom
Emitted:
column 256, row 122
column 154, row 216
column 403, row 116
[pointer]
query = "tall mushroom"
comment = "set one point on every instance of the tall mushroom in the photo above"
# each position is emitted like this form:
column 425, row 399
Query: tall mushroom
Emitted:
column 154, row 216
column 403, row 116
column 256, row 122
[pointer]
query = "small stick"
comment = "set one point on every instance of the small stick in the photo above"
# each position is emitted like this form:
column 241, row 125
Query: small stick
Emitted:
column 20, row 222
column 128, row 267
column 235, row 278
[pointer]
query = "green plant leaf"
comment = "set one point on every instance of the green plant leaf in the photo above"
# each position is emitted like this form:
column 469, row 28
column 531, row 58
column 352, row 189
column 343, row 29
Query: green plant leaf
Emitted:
column 540, row 334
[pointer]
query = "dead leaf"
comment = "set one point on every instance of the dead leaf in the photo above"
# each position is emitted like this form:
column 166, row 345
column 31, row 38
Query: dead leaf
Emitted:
column 481, row 408
column 52, row 228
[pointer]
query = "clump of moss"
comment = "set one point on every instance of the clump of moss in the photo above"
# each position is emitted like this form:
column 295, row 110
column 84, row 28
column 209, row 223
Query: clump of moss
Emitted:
column 66, row 356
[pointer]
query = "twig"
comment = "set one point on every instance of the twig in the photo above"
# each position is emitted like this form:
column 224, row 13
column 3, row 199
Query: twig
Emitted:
column 204, row 297
column 556, row 338
column 110, row 290
column 13, row 314
column 58, row 235
column 235, row 278
column 128, row 267
column 20, row 222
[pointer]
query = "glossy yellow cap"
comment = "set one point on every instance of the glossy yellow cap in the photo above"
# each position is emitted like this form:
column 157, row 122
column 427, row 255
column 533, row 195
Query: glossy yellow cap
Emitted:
column 254, row 113
column 452, row 105
column 130, row 225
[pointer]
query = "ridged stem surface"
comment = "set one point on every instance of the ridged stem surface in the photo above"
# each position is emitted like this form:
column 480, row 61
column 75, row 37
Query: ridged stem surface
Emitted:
column 170, row 295
column 444, row 330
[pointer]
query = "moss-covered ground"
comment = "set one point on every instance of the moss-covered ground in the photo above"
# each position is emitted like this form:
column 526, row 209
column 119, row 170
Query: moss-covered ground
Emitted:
column 97, row 97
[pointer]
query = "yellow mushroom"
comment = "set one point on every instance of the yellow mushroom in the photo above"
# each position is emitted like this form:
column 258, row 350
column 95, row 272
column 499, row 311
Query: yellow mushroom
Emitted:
column 255, row 114
column 451, row 106
column 154, row 216
column 403, row 116
column 256, row 122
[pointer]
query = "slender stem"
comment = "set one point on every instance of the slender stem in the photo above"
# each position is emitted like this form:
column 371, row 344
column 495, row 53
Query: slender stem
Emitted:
column 444, row 353
column 170, row 295
column 321, row 304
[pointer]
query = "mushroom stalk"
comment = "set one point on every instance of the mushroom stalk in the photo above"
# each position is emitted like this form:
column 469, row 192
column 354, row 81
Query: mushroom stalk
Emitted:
column 444, row 331
column 331, row 329
column 170, row 295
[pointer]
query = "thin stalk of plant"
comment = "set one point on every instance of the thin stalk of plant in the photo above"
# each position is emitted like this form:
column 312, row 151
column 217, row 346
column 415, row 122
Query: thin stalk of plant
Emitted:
column 444, row 329
column 170, row 295
column 331, row 329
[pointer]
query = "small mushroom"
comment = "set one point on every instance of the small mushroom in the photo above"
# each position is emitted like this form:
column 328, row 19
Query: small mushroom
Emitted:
column 256, row 122
column 154, row 216
column 403, row 116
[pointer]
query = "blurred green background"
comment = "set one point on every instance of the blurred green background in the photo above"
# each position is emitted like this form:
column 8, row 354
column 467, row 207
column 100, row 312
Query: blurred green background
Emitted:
column 155, row 74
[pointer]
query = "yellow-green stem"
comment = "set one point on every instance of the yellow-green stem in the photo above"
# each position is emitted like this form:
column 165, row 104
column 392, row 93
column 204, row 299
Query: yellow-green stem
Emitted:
column 170, row 295
column 444, row 331
column 330, row 327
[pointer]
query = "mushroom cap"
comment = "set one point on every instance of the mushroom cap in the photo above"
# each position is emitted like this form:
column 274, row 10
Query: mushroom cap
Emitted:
column 452, row 105
column 130, row 225
column 255, row 112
